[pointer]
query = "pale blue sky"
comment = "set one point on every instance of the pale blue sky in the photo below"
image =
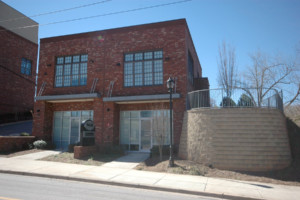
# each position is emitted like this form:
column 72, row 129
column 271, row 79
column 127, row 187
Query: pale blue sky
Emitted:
column 273, row 26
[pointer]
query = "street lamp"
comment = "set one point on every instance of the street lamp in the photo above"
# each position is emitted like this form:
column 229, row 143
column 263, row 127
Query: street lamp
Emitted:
column 170, row 86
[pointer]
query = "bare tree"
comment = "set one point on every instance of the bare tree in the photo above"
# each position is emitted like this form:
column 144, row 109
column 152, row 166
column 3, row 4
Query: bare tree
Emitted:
column 160, row 129
column 266, row 74
column 227, row 78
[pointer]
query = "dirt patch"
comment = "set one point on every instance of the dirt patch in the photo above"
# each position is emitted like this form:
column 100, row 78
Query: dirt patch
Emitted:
column 96, row 159
column 288, row 176
column 20, row 153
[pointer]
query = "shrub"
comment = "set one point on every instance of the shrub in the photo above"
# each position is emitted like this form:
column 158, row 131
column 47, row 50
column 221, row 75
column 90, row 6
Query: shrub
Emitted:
column 155, row 150
column 40, row 144
column 24, row 134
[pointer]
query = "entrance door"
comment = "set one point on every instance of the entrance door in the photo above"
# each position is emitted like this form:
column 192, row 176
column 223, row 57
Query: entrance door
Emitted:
column 146, row 132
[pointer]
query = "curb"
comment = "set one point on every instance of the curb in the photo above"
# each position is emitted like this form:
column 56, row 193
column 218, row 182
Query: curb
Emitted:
column 130, row 185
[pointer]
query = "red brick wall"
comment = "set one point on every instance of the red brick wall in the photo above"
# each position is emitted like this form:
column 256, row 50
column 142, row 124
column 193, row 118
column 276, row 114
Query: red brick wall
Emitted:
column 104, row 54
column 17, row 90
column 14, row 143
column 83, row 151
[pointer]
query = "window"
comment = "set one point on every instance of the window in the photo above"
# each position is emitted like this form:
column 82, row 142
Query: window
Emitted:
column 26, row 66
column 71, row 70
column 190, row 69
column 143, row 68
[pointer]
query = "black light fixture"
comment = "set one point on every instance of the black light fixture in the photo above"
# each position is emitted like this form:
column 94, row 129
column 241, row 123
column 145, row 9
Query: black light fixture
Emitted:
column 170, row 86
column 118, row 64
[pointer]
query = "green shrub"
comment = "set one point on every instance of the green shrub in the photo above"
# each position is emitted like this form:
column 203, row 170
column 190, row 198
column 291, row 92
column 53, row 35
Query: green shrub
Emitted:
column 24, row 134
column 40, row 144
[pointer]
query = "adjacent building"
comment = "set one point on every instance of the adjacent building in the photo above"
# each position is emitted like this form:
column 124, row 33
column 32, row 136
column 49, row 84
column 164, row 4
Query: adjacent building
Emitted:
column 117, row 78
column 18, row 55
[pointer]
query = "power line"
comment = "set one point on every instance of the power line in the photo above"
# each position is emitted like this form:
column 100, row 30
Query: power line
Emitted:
column 57, row 11
column 106, row 14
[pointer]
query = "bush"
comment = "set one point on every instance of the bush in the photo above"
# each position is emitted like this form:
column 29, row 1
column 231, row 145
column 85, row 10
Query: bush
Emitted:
column 24, row 134
column 40, row 144
column 114, row 149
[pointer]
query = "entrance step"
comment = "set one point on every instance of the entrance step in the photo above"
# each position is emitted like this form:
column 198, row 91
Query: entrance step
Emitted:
column 129, row 161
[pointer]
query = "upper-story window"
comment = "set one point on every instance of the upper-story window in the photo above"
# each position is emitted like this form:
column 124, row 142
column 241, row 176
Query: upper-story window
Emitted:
column 71, row 70
column 190, row 69
column 143, row 68
column 26, row 66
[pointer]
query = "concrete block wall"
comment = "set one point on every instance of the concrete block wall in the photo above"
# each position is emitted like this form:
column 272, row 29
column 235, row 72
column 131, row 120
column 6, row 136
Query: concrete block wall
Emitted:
column 243, row 139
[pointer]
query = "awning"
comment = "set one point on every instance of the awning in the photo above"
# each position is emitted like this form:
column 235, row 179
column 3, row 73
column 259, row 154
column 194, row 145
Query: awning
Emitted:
column 141, row 98
column 68, row 98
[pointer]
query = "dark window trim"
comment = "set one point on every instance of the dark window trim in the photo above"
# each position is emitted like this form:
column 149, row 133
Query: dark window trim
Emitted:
column 71, row 63
column 27, row 60
column 143, row 73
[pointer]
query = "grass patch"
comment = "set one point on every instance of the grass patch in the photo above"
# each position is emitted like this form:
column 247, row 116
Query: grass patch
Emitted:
column 96, row 159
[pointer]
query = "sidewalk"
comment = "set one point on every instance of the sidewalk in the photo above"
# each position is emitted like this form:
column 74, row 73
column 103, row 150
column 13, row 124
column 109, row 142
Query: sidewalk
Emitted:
column 113, row 174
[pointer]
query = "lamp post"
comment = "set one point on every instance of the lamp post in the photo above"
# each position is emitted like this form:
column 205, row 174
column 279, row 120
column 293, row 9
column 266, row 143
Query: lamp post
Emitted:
column 170, row 86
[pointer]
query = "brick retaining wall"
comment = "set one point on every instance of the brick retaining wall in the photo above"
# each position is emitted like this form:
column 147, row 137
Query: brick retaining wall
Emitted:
column 82, row 151
column 14, row 143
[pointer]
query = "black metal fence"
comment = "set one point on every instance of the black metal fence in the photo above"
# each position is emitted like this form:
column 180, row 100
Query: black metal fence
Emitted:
column 237, row 97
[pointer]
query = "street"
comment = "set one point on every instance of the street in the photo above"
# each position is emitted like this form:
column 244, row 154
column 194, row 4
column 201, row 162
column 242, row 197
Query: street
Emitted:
column 15, row 187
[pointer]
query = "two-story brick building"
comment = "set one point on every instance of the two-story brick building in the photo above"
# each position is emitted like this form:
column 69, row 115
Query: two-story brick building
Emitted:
column 18, row 55
column 117, row 78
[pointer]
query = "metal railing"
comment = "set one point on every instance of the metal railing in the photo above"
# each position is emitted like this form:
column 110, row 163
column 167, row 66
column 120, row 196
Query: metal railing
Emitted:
column 238, row 97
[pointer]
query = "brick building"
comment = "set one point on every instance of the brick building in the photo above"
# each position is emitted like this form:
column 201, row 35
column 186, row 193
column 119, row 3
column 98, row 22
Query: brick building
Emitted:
column 18, row 55
column 117, row 78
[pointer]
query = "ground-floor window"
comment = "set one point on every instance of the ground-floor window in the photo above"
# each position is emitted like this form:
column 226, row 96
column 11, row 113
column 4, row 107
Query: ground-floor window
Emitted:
column 140, row 130
column 66, row 127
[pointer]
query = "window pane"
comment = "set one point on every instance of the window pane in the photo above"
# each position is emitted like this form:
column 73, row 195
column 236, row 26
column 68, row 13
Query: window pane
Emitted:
column 138, row 67
column 59, row 70
column 23, row 66
column 158, row 78
column 75, row 79
column 85, row 113
column 125, row 114
column 83, row 68
column 67, row 69
column 128, row 57
column 158, row 54
column 76, row 58
column 58, row 81
column 67, row 80
column 134, row 133
column 60, row 60
column 84, row 58
column 83, row 79
column 146, row 113
column 128, row 81
column 138, row 56
column 75, row 114
column 148, row 55
column 68, row 59
column 158, row 65
column 28, row 67
column 148, row 79
column 125, row 130
column 75, row 68
column 134, row 114
column 128, row 68
column 138, row 79
column 148, row 66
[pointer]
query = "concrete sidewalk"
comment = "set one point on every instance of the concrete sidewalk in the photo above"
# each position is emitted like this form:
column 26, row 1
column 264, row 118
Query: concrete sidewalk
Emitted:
column 114, row 175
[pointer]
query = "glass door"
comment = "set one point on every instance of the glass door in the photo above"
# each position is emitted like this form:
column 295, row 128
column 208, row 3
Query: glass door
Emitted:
column 74, row 135
column 146, row 132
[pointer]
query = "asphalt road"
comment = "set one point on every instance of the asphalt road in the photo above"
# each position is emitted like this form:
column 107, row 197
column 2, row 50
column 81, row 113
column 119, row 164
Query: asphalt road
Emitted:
column 13, row 129
column 15, row 187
